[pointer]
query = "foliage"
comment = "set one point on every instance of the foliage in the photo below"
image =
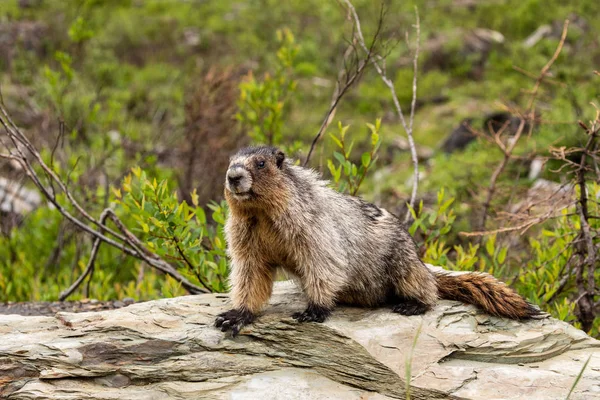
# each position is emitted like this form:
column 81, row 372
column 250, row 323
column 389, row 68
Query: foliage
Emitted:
column 353, row 175
column 175, row 230
column 103, row 86
column 262, row 102
column 540, row 279
column 40, row 259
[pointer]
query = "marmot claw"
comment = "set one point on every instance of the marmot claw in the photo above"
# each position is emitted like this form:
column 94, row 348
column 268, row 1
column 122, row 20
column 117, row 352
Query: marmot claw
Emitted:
column 312, row 314
column 233, row 320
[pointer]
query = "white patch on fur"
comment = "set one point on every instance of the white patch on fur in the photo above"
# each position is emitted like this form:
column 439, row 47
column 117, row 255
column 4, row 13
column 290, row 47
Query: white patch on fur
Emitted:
column 243, row 187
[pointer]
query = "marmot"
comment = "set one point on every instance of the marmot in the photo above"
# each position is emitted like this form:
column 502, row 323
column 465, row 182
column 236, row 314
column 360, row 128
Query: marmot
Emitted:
column 340, row 248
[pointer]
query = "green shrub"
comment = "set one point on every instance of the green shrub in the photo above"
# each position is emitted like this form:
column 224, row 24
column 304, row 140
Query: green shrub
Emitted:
column 176, row 231
column 541, row 276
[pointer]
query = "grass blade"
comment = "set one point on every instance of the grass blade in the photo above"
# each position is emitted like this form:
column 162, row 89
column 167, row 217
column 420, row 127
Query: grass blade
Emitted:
column 579, row 376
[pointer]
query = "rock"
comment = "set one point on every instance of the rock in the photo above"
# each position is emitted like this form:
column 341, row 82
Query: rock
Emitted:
column 577, row 23
column 191, row 37
column 540, row 33
column 475, row 48
column 169, row 349
column 460, row 137
column 41, row 308
column 15, row 198
column 505, row 122
column 493, row 123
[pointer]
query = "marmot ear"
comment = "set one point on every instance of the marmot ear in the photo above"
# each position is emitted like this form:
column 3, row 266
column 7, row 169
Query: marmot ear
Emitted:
column 279, row 157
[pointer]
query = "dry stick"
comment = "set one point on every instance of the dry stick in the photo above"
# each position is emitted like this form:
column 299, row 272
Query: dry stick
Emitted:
column 190, row 265
column 338, row 94
column 496, row 174
column 30, row 172
column 15, row 135
column 567, row 268
column 379, row 64
column 413, row 104
column 90, row 266
column 522, row 228
column 132, row 246
column 146, row 255
column 340, row 91
column 528, row 114
column 585, row 301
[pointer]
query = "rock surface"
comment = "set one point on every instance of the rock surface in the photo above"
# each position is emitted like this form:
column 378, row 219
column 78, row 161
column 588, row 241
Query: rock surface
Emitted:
column 169, row 349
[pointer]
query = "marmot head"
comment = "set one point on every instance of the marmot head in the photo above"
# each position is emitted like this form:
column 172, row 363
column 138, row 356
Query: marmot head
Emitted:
column 254, row 175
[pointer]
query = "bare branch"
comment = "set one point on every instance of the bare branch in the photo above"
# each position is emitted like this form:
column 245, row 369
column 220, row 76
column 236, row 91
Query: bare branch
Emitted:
column 380, row 66
column 124, row 241
column 585, row 302
column 529, row 114
column 350, row 78
column 90, row 265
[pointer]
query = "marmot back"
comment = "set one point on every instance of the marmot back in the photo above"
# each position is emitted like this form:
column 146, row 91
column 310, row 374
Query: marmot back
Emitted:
column 341, row 249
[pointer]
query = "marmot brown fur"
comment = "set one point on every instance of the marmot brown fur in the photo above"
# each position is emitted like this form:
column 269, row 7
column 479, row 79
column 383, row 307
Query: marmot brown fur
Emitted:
column 341, row 249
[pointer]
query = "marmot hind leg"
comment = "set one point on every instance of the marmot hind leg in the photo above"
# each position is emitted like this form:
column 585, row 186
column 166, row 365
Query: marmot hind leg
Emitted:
column 415, row 289
column 408, row 306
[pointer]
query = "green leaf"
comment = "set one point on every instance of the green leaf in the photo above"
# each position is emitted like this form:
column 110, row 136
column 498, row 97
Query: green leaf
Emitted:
column 502, row 255
column 366, row 159
column 343, row 130
column 332, row 169
column 374, row 139
column 339, row 157
column 200, row 215
column 336, row 140
column 349, row 151
column 490, row 245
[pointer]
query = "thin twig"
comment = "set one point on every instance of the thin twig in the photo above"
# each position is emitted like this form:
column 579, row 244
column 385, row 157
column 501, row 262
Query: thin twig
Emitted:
column 380, row 66
column 351, row 77
column 90, row 265
column 585, row 302
column 124, row 241
column 528, row 114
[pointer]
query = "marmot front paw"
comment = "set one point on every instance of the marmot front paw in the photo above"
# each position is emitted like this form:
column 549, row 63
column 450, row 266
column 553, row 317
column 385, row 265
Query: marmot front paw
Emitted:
column 233, row 320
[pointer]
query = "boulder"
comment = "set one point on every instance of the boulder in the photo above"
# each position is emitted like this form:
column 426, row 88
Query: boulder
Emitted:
column 169, row 349
column 16, row 198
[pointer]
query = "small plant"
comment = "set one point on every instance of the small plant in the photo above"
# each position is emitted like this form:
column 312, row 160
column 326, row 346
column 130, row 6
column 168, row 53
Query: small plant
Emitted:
column 262, row 102
column 347, row 175
column 579, row 376
column 175, row 230
column 408, row 362
column 546, row 279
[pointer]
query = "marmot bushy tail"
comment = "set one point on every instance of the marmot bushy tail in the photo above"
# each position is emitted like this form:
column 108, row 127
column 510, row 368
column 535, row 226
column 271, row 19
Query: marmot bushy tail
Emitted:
column 341, row 249
column 483, row 290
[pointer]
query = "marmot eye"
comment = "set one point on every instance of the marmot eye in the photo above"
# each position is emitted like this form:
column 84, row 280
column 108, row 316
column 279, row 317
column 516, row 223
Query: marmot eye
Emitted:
column 261, row 164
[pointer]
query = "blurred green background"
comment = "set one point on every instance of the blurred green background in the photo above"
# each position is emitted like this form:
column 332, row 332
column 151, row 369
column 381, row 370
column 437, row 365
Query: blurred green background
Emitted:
column 175, row 87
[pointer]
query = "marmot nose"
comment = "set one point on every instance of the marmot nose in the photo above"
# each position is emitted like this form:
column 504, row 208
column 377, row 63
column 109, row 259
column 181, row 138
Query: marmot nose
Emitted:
column 234, row 179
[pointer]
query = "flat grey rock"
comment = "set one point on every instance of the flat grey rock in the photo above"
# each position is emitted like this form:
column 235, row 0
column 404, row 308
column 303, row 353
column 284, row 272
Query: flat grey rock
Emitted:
column 169, row 349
